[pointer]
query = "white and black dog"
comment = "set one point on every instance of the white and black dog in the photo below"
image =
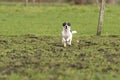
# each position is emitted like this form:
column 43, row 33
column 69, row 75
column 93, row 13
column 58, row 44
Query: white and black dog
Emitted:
column 67, row 34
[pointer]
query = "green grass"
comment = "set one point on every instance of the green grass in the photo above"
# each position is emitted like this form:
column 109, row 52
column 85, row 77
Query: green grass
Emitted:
column 47, row 20
column 31, row 49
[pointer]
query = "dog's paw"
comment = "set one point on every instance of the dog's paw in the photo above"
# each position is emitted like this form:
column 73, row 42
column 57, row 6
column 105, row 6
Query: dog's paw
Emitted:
column 67, row 40
column 69, row 45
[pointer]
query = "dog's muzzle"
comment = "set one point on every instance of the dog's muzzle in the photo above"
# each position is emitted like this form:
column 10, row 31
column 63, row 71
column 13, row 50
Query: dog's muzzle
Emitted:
column 65, row 27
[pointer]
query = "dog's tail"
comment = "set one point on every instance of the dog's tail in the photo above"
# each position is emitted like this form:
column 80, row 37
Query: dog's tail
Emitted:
column 73, row 32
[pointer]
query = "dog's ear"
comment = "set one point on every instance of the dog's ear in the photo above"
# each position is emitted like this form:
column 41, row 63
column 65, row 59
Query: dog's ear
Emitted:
column 64, row 24
column 68, row 24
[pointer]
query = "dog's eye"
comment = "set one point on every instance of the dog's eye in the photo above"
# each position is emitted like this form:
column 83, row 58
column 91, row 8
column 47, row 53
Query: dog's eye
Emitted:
column 68, row 24
column 64, row 24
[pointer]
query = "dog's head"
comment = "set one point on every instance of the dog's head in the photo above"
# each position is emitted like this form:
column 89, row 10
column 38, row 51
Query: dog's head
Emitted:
column 66, row 26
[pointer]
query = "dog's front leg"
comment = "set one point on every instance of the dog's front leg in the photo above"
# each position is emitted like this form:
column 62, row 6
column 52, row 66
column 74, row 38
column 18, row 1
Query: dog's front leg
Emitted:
column 68, row 39
column 64, row 42
column 69, row 42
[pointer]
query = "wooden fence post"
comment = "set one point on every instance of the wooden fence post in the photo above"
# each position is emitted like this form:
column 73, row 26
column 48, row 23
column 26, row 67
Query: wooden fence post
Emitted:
column 26, row 2
column 101, row 17
column 33, row 1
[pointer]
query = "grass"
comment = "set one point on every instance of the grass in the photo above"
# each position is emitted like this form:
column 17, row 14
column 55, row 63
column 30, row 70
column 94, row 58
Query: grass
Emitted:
column 47, row 20
column 31, row 49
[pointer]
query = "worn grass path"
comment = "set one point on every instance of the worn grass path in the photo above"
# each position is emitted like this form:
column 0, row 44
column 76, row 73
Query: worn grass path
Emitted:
column 30, row 57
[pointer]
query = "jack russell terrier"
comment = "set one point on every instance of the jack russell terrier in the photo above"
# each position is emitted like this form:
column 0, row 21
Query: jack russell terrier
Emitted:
column 67, row 34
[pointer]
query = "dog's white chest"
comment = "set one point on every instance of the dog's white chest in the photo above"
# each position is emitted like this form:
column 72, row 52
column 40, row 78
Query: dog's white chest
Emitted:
column 66, row 35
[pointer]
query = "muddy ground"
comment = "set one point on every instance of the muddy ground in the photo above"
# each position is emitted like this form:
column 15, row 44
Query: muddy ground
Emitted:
column 31, row 57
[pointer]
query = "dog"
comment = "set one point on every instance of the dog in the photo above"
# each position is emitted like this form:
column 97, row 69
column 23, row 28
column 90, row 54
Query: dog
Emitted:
column 67, row 34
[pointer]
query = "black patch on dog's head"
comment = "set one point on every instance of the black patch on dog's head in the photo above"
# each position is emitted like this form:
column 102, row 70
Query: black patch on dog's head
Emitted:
column 66, row 23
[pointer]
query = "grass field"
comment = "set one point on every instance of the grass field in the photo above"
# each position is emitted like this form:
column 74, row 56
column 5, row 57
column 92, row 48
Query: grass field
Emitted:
column 31, row 49
column 47, row 20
